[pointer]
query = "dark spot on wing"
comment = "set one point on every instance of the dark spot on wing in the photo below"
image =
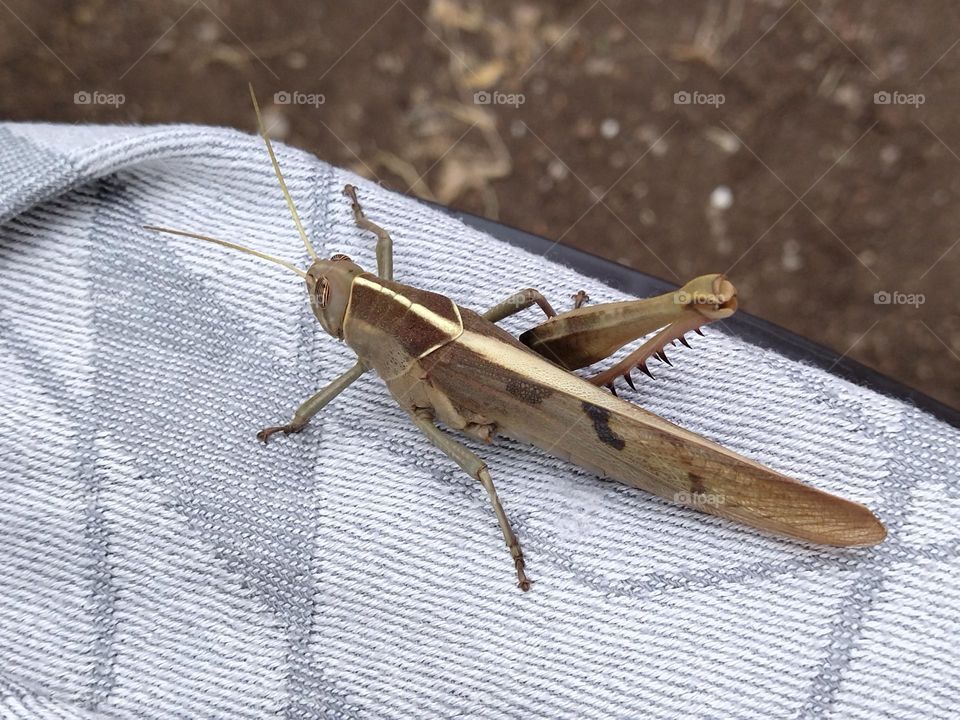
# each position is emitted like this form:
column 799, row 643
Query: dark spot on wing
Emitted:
column 529, row 392
column 696, row 483
column 601, row 423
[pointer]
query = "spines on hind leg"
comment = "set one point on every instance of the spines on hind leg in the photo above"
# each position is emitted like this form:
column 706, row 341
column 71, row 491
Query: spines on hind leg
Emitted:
column 589, row 334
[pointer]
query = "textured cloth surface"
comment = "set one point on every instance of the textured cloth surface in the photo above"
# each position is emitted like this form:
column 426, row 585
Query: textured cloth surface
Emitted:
column 156, row 561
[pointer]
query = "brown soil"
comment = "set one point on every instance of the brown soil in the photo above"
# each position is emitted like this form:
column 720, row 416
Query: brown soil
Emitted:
column 812, row 195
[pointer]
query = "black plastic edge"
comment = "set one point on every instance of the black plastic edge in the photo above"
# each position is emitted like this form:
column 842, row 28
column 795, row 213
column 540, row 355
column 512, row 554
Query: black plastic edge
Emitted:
column 748, row 327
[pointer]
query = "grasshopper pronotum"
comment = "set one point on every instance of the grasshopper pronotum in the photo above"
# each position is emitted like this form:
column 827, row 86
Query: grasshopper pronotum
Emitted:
column 442, row 362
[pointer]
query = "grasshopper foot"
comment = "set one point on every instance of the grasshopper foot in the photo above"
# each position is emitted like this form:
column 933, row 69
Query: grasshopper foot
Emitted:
column 579, row 299
column 351, row 192
column 523, row 582
column 264, row 435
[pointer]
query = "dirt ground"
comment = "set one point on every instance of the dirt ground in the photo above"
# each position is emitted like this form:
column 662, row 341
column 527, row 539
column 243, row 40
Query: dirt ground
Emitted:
column 808, row 149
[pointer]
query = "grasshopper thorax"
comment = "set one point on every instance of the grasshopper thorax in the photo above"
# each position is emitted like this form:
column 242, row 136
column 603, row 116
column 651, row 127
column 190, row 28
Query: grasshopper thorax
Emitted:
column 329, row 283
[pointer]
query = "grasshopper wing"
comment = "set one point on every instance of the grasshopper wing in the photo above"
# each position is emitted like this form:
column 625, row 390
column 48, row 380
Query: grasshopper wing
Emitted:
column 487, row 372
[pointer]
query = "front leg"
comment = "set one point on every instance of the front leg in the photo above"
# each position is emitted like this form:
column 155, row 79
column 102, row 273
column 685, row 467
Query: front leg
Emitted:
column 384, row 242
column 315, row 404
column 476, row 468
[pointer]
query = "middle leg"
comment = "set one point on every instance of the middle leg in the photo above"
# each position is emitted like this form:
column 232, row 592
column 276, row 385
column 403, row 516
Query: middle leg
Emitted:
column 519, row 301
column 476, row 468
column 579, row 299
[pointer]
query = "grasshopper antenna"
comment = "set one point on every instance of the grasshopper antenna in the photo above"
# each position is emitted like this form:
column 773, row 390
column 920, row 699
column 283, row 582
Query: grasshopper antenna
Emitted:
column 232, row 246
column 283, row 185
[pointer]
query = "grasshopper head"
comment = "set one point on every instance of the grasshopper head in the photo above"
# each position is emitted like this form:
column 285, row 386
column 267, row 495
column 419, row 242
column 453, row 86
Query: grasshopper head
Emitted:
column 329, row 283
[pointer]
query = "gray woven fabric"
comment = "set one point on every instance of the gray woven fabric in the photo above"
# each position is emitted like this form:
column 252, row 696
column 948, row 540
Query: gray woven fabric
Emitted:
column 156, row 561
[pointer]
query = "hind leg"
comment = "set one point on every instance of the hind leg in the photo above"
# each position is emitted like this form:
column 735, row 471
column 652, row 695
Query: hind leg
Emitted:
column 586, row 335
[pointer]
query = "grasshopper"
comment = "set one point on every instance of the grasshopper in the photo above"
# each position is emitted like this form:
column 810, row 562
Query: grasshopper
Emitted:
column 446, row 363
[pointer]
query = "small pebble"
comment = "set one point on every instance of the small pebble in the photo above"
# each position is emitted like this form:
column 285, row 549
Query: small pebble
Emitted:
column 723, row 139
column 557, row 170
column 721, row 198
column 791, row 259
column 849, row 97
column 609, row 128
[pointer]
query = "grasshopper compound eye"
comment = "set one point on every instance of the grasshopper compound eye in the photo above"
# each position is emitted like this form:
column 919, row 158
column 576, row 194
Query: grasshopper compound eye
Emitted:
column 339, row 257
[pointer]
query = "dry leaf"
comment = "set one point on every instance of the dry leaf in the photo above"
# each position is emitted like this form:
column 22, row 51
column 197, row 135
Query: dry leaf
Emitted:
column 485, row 75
